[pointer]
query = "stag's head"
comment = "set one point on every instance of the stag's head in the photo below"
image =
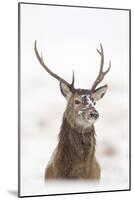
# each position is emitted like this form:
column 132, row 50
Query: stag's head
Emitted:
column 80, row 111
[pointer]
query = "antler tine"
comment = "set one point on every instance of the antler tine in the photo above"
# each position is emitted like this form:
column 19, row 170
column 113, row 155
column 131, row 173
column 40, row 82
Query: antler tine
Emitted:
column 101, row 74
column 41, row 61
column 73, row 79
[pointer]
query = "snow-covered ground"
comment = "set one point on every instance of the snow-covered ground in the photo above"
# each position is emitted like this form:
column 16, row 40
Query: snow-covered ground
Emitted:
column 69, row 42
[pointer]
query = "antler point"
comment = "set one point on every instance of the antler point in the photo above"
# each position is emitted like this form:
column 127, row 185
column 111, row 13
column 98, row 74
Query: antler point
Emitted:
column 73, row 79
column 35, row 44
column 98, row 51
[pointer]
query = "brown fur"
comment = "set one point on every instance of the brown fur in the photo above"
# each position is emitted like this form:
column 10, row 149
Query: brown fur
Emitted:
column 75, row 155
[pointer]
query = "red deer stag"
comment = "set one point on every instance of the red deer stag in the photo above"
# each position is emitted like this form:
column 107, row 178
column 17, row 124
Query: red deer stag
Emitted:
column 74, row 157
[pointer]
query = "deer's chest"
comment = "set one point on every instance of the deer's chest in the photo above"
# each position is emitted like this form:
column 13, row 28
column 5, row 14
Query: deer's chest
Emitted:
column 83, row 144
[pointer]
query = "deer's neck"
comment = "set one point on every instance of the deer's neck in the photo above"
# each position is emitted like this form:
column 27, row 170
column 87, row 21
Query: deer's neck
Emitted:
column 77, row 142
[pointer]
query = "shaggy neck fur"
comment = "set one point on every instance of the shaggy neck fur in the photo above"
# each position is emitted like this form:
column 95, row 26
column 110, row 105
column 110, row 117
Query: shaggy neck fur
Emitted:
column 78, row 143
column 75, row 155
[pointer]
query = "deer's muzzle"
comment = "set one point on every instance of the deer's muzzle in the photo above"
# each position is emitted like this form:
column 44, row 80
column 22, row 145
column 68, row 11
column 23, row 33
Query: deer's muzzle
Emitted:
column 94, row 114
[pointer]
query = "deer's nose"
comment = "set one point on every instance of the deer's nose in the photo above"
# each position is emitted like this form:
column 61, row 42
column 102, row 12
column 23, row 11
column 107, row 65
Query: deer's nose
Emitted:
column 94, row 114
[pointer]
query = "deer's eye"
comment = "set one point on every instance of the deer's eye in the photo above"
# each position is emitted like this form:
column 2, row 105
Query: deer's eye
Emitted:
column 77, row 101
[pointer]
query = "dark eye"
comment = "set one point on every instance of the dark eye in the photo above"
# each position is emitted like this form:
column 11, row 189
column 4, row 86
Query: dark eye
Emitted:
column 77, row 102
column 94, row 103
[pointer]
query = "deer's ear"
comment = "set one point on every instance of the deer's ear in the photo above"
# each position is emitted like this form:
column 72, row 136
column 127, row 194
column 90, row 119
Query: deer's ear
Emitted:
column 65, row 90
column 99, row 93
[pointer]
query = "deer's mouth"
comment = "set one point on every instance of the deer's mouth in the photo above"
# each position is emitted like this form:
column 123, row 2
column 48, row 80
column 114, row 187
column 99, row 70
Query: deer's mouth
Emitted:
column 91, row 120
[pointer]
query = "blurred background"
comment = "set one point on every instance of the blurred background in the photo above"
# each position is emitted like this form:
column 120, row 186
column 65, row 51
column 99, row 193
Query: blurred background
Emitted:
column 68, row 38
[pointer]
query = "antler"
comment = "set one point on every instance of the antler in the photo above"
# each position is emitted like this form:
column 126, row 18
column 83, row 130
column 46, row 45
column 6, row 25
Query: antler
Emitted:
column 41, row 61
column 101, row 74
